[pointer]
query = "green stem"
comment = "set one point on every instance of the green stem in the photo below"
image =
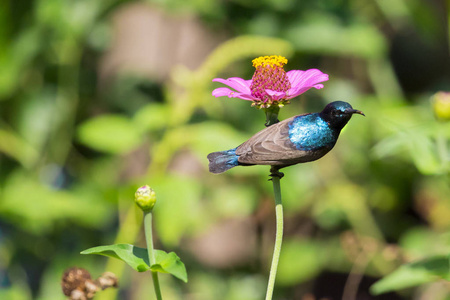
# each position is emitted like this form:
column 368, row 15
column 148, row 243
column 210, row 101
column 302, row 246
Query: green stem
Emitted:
column 441, row 142
column 272, row 115
column 278, row 236
column 151, row 253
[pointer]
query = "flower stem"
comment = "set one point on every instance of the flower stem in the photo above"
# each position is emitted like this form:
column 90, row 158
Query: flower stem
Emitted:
column 272, row 115
column 278, row 236
column 151, row 253
column 441, row 142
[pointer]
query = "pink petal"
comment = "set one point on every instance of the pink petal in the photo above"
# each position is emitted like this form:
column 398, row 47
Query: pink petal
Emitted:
column 306, row 78
column 239, row 84
column 291, row 93
column 223, row 91
column 276, row 95
column 301, row 81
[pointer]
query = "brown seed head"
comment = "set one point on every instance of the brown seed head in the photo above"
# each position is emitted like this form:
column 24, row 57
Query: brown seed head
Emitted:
column 107, row 280
column 74, row 279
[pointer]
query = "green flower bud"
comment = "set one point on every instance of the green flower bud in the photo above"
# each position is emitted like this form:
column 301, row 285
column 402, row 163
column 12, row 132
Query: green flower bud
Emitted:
column 441, row 105
column 145, row 198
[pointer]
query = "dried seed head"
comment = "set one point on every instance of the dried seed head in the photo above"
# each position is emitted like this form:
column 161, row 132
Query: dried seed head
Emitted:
column 107, row 280
column 74, row 279
column 77, row 283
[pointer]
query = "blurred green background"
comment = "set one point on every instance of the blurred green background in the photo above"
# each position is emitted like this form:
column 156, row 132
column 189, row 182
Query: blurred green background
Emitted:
column 100, row 97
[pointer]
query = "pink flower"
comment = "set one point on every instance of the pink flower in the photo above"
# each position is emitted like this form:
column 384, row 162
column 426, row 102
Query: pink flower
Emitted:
column 270, row 84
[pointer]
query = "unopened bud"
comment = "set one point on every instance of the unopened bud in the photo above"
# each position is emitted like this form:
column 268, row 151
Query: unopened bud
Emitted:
column 145, row 198
column 441, row 105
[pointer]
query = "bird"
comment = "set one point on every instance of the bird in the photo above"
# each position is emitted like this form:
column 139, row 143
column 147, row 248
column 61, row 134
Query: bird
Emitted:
column 299, row 139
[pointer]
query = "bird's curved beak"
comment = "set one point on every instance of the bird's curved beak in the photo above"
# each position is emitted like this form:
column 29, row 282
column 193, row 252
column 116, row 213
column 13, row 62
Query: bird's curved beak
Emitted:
column 355, row 111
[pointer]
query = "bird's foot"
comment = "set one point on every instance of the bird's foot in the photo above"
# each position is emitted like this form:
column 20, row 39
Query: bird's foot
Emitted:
column 274, row 172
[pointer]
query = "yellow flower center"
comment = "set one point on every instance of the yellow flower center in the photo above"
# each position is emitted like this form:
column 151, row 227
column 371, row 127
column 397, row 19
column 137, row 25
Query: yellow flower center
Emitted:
column 269, row 75
column 272, row 61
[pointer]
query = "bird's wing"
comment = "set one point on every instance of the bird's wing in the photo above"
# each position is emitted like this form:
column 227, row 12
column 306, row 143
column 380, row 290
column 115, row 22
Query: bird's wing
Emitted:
column 270, row 146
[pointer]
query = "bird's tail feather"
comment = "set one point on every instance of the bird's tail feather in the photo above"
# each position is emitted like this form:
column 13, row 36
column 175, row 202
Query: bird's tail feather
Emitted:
column 222, row 161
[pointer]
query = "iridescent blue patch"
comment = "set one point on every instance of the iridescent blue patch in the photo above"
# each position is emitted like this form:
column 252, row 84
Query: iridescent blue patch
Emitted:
column 341, row 106
column 232, row 157
column 311, row 132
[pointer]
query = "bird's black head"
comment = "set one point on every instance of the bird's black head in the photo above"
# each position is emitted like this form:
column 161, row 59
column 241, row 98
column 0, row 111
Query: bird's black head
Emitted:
column 338, row 113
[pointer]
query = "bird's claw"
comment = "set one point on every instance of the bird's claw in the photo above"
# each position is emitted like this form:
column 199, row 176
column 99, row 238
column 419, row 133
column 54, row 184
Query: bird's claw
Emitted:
column 276, row 173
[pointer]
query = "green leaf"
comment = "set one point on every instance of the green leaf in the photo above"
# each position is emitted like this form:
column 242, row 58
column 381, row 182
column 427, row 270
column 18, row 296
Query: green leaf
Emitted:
column 416, row 241
column 137, row 258
column 109, row 133
column 424, row 154
column 17, row 148
column 359, row 40
column 414, row 274
column 169, row 263
column 153, row 116
column 30, row 204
